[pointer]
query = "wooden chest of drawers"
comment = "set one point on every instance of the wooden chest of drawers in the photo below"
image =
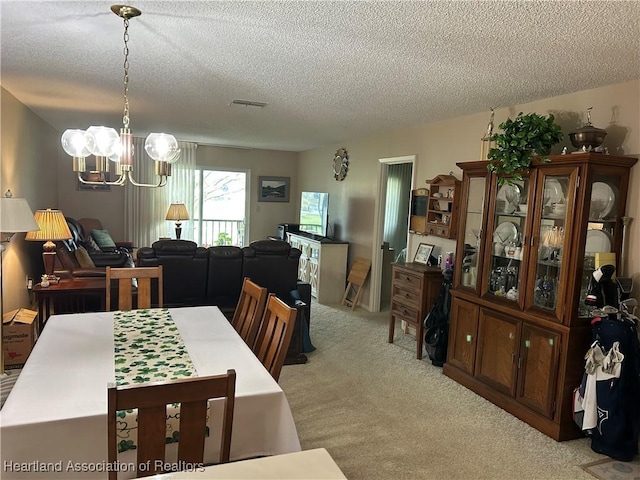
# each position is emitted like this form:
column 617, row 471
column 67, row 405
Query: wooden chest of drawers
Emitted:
column 414, row 288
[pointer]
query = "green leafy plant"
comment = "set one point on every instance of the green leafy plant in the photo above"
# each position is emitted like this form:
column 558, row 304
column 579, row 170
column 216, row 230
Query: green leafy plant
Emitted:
column 224, row 239
column 521, row 139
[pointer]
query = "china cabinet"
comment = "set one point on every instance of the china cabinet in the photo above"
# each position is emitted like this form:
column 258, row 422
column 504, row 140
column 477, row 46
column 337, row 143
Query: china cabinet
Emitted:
column 519, row 327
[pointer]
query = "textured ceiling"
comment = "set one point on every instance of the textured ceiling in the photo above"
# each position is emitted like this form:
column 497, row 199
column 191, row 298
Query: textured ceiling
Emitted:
column 329, row 71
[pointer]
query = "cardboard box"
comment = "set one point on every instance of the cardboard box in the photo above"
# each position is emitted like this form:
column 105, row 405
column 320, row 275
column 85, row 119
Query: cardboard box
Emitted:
column 19, row 335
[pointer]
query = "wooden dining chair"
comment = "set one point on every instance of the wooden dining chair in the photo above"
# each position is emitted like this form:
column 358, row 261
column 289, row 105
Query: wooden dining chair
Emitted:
column 124, row 277
column 248, row 314
column 275, row 334
column 151, row 400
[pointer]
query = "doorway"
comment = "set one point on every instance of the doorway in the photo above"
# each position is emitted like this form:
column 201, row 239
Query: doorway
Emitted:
column 221, row 205
column 392, row 225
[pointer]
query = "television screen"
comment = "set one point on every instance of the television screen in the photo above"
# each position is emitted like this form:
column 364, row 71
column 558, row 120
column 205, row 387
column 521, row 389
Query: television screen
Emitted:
column 314, row 213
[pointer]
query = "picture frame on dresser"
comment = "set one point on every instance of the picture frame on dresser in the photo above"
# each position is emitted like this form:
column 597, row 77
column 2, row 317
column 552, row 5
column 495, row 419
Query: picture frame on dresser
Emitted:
column 423, row 253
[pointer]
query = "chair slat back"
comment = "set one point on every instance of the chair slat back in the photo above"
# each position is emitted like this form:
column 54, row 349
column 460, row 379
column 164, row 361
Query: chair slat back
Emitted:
column 124, row 278
column 248, row 313
column 151, row 400
column 275, row 334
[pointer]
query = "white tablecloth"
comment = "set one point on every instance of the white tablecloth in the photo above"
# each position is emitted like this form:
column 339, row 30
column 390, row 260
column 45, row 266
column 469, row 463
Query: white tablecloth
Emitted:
column 314, row 464
column 56, row 412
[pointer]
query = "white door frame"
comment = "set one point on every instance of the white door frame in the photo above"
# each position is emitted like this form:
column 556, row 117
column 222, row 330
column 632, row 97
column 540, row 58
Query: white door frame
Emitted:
column 378, row 226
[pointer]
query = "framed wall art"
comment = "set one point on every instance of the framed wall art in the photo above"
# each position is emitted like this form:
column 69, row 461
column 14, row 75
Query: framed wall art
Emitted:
column 94, row 177
column 273, row 189
column 423, row 253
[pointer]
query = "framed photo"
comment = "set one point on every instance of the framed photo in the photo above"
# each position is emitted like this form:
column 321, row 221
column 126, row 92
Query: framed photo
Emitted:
column 94, row 177
column 423, row 253
column 273, row 189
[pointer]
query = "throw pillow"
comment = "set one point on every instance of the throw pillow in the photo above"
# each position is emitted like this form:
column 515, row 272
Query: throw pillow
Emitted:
column 90, row 244
column 67, row 259
column 83, row 258
column 103, row 239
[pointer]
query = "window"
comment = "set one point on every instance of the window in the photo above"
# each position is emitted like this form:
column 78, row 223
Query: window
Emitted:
column 220, row 207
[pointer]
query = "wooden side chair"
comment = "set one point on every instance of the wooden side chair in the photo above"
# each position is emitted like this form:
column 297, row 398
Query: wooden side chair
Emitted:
column 124, row 277
column 248, row 313
column 357, row 276
column 275, row 334
column 151, row 400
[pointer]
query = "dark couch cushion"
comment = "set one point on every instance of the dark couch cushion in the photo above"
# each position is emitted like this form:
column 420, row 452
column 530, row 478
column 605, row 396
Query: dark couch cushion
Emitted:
column 225, row 276
column 184, row 270
column 264, row 257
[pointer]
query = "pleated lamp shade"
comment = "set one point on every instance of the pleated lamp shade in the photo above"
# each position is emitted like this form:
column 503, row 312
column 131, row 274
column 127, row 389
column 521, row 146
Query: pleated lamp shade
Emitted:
column 53, row 227
column 177, row 212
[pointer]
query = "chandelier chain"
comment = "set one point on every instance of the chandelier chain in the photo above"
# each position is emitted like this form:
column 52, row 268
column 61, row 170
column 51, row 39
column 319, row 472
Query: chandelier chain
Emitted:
column 125, row 117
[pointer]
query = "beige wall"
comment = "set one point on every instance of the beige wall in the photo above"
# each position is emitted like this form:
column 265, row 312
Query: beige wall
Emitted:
column 439, row 146
column 28, row 165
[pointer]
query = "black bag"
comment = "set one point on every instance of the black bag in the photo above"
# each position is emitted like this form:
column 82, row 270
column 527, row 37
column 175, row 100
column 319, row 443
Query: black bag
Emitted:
column 619, row 422
column 436, row 323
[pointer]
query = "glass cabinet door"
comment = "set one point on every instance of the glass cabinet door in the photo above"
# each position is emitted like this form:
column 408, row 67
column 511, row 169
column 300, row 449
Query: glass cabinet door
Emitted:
column 508, row 227
column 552, row 239
column 601, row 238
column 473, row 219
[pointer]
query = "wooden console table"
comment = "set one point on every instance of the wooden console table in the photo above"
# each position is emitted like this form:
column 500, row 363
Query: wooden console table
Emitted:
column 69, row 295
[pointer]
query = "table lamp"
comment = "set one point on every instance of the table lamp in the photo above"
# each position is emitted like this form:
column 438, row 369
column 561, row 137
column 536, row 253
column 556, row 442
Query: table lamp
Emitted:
column 177, row 212
column 15, row 216
column 53, row 227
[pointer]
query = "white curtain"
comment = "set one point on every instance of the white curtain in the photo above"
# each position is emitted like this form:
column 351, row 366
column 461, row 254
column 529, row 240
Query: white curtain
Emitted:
column 146, row 208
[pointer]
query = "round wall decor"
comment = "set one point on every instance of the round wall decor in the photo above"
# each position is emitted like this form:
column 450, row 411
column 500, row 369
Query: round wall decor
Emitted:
column 340, row 164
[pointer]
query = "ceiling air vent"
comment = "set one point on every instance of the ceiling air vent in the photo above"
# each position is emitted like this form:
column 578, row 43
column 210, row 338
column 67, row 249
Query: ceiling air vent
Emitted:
column 248, row 103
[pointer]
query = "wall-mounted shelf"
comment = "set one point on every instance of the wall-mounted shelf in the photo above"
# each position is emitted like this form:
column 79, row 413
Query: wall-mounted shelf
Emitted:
column 442, row 207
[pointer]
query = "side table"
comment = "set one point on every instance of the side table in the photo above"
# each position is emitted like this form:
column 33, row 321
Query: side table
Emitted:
column 414, row 288
column 69, row 295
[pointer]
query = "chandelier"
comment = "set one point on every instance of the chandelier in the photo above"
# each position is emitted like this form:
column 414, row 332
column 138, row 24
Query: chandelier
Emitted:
column 106, row 145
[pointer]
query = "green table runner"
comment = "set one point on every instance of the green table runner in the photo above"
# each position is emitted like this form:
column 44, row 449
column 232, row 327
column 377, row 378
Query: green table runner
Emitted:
column 148, row 348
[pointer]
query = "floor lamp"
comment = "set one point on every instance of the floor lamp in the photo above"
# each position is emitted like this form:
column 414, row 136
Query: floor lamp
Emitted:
column 15, row 216
column 53, row 227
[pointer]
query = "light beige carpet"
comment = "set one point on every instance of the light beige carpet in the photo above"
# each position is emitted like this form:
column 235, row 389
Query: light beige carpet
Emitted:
column 384, row 415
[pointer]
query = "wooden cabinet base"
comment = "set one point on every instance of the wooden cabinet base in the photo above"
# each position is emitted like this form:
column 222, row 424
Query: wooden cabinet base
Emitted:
column 558, row 431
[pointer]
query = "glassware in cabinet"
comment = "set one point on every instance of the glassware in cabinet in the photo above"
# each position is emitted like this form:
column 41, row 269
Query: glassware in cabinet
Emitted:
column 469, row 251
column 508, row 226
column 603, row 236
column 554, row 214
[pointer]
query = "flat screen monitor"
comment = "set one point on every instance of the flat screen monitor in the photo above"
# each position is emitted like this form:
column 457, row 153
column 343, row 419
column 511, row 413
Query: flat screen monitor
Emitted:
column 314, row 213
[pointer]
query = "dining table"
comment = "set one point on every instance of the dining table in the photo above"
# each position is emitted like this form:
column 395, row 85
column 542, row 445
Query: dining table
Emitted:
column 315, row 464
column 54, row 422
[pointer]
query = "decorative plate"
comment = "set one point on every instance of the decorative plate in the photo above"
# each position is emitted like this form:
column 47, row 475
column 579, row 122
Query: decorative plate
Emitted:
column 603, row 199
column 505, row 233
column 597, row 241
column 553, row 192
column 510, row 195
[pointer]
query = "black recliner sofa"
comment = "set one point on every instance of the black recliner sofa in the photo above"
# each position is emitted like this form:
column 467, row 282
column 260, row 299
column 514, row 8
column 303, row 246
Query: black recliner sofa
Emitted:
column 195, row 275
